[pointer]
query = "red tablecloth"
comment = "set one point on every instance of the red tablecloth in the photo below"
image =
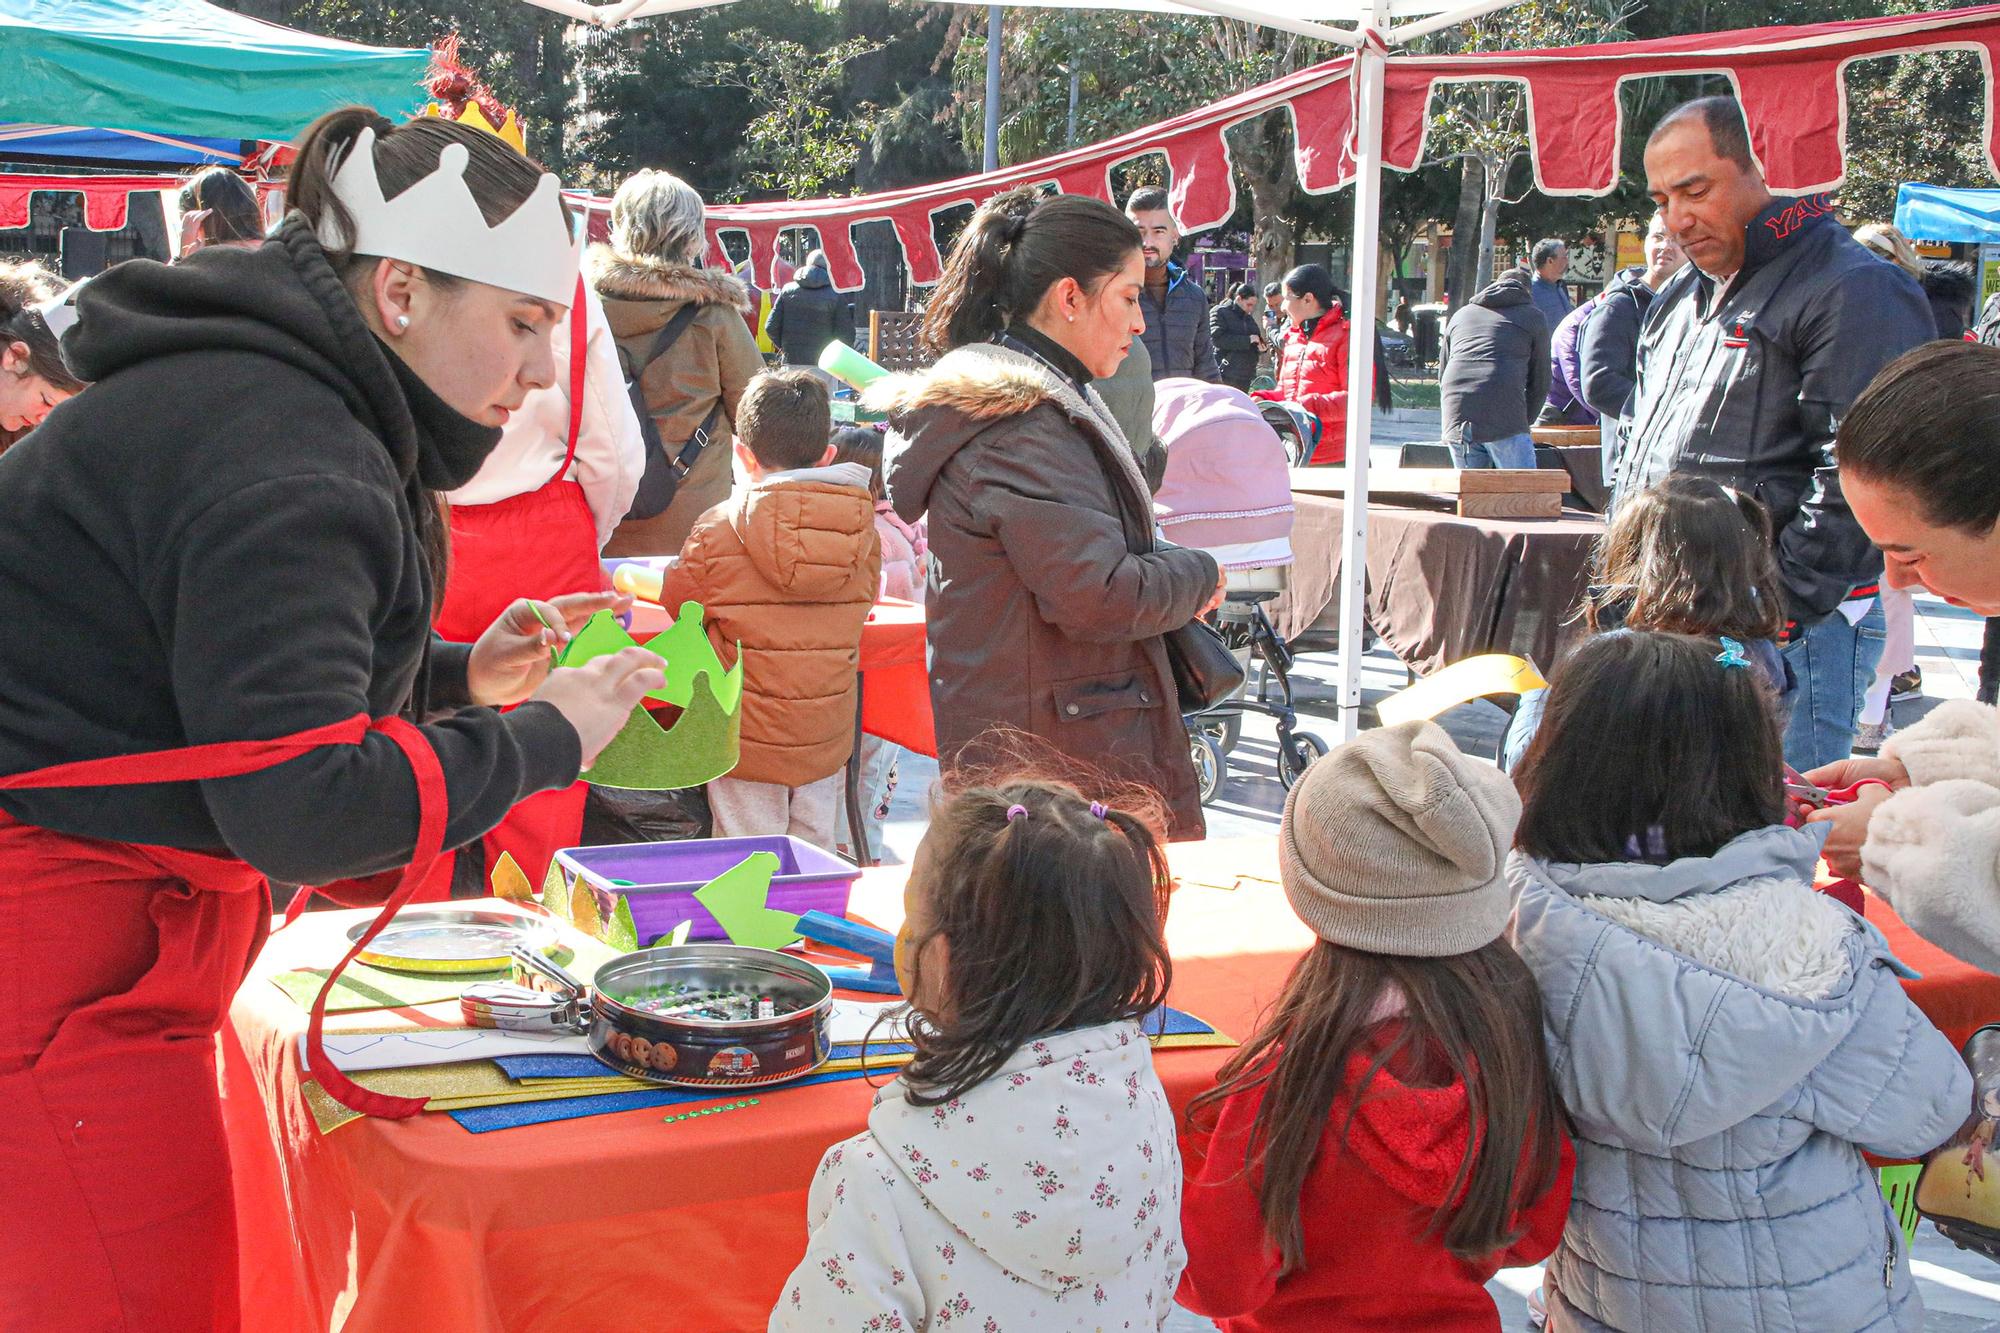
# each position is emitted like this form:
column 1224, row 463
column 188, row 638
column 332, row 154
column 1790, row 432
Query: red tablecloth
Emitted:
column 895, row 677
column 625, row 1221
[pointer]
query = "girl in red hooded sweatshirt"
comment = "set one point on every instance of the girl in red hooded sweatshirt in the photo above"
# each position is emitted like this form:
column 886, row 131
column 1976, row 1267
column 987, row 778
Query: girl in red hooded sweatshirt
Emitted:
column 1390, row 1137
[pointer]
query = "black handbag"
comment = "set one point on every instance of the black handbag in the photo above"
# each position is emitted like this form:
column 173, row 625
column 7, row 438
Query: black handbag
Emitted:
column 1205, row 671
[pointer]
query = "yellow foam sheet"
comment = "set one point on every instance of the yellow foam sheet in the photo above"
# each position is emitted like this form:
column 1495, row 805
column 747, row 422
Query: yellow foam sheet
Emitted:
column 1461, row 682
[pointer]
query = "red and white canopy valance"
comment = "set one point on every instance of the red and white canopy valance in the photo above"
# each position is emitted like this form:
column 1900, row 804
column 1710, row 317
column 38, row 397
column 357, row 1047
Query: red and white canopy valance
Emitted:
column 104, row 197
column 1790, row 80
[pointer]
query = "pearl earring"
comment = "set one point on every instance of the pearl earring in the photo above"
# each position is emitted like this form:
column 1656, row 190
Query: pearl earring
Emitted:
column 402, row 321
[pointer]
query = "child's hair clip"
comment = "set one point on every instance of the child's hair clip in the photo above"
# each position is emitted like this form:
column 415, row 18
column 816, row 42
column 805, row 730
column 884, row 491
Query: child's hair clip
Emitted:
column 1098, row 810
column 1015, row 812
column 1731, row 654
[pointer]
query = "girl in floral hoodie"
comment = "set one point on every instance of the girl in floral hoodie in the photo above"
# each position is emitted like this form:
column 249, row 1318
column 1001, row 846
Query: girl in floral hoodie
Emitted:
column 1022, row 1171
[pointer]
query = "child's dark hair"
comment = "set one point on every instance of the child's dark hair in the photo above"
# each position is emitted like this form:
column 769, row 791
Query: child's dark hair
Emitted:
column 230, row 203
column 23, row 286
column 863, row 445
column 1652, row 748
column 784, row 419
column 1688, row 556
column 1471, row 1018
column 1051, row 911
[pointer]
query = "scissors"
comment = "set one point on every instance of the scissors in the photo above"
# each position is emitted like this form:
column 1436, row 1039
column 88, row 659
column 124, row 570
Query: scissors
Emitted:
column 1819, row 797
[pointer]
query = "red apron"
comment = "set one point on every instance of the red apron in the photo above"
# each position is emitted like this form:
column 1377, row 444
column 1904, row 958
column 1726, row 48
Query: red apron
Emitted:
column 117, row 965
column 541, row 544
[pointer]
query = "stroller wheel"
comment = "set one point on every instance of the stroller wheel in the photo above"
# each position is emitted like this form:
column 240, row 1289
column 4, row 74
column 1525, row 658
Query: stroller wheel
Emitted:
column 1209, row 765
column 1296, row 754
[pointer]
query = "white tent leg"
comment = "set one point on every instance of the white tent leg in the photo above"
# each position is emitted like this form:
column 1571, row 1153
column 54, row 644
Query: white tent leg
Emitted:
column 1370, row 64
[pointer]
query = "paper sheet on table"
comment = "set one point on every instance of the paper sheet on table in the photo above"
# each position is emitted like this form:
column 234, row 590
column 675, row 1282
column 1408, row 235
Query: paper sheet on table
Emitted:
column 406, row 1049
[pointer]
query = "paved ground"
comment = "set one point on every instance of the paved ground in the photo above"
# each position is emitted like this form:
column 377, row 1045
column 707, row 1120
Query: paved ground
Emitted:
column 1961, row 1291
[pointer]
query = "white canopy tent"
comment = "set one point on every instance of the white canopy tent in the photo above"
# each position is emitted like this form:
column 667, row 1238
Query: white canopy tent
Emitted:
column 1374, row 28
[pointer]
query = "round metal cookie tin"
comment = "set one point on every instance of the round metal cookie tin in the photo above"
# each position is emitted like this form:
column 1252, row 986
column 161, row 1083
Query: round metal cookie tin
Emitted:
column 691, row 1051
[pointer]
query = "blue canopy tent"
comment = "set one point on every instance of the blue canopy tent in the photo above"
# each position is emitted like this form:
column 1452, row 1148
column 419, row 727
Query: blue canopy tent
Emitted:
column 1946, row 213
column 176, row 82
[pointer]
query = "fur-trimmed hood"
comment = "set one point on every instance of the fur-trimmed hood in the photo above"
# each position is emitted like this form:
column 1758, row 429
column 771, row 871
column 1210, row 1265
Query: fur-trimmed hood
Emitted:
column 619, row 276
column 936, row 412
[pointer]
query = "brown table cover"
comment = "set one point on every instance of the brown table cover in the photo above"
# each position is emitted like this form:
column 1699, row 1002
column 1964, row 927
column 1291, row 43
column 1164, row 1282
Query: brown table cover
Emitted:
column 1441, row 587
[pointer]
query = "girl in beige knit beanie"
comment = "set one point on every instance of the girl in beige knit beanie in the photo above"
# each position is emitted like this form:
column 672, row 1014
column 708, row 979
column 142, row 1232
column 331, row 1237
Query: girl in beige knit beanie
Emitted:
column 1391, row 1135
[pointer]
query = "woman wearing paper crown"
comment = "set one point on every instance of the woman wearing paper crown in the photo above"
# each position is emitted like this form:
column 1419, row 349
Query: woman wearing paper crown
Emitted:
column 219, row 567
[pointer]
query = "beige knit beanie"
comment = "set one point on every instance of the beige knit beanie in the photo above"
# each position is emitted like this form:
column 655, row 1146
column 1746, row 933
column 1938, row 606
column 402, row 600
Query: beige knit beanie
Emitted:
column 1396, row 843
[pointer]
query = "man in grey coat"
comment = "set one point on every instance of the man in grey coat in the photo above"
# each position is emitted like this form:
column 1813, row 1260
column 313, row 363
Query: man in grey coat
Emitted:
column 1608, row 350
column 1496, row 375
column 1748, row 360
column 1176, row 309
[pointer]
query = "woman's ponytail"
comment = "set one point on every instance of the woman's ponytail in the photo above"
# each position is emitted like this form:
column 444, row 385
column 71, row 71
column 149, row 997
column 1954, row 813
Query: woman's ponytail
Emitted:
column 1017, row 246
column 309, row 185
column 971, row 301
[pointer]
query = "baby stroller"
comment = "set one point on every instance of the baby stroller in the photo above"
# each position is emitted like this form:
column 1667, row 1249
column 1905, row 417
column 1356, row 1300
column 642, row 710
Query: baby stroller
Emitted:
column 1227, row 490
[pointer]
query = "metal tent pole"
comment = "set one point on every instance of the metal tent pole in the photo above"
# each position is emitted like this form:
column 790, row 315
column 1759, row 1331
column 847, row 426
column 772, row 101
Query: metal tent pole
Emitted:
column 1370, row 66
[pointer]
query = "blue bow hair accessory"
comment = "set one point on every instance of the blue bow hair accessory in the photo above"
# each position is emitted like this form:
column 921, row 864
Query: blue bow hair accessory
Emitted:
column 1731, row 654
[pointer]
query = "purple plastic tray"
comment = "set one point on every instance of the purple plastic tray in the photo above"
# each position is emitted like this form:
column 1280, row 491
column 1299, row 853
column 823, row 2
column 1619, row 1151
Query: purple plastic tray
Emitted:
column 664, row 875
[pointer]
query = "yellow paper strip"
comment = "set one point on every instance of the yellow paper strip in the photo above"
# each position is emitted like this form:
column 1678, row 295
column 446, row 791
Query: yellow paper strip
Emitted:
column 1473, row 678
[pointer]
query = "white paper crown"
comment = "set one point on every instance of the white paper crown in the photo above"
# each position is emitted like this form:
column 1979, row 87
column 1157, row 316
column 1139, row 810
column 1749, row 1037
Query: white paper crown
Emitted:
column 59, row 311
column 437, row 224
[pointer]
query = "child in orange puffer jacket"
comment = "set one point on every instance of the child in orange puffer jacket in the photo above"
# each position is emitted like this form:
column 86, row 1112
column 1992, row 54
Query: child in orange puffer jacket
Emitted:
column 788, row 569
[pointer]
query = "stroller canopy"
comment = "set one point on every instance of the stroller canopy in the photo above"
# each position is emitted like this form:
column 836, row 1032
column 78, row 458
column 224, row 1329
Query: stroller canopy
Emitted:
column 1228, row 487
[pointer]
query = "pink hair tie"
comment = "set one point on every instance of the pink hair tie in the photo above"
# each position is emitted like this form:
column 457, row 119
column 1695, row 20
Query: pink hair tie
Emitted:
column 1098, row 810
column 1015, row 812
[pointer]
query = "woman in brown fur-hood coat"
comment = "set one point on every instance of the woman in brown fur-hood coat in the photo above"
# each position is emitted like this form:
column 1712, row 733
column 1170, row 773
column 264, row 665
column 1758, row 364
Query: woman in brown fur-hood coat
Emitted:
column 1049, row 592
column 711, row 363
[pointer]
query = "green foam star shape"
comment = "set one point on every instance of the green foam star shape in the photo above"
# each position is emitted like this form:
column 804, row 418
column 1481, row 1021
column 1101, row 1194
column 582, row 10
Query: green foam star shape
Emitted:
column 705, row 743
column 736, row 899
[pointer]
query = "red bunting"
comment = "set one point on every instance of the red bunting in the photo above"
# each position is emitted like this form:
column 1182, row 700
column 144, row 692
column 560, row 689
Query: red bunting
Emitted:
column 104, row 197
column 1789, row 80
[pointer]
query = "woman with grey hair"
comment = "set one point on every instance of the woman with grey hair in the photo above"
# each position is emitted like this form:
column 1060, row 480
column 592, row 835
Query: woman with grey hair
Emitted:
column 681, row 331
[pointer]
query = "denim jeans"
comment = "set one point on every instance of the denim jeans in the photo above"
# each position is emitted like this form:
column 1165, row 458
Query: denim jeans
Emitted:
column 1514, row 451
column 1834, row 663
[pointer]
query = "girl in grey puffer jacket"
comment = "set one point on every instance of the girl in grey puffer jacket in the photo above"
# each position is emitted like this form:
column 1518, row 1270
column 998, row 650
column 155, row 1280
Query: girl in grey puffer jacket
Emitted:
column 1727, row 1041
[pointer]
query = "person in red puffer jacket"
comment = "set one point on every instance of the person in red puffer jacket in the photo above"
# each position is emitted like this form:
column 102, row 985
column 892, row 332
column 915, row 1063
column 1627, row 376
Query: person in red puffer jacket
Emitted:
column 1391, row 1137
column 1312, row 358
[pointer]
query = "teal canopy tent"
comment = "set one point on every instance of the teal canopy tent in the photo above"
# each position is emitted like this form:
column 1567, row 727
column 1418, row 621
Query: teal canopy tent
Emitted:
column 182, row 67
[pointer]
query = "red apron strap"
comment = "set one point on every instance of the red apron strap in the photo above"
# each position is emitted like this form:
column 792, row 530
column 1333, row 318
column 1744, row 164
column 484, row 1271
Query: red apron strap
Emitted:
column 431, row 810
column 191, row 763
column 579, row 344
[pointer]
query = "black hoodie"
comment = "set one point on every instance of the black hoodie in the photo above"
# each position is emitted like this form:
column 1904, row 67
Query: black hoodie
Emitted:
column 807, row 316
column 216, row 542
column 1496, row 363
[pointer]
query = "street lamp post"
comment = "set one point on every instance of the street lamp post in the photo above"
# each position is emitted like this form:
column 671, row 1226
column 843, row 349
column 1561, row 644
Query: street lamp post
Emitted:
column 993, row 27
